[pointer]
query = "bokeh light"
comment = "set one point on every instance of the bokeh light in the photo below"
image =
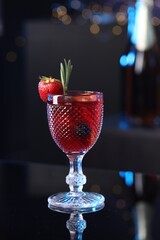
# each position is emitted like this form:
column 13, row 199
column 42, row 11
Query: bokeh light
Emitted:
column 76, row 4
column 11, row 56
column 61, row 11
column 96, row 14
column 121, row 18
column 120, row 203
column 117, row 189
column 96, row 7
column 117, row 30
column 95, row 188
column 66, row 19
column 94, row 28
column 86, row 13
column 20, row 41
column 155, row 21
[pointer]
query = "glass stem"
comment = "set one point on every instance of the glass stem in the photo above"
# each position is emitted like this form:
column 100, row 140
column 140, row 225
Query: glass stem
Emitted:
column 75, row 179
column 76, row 225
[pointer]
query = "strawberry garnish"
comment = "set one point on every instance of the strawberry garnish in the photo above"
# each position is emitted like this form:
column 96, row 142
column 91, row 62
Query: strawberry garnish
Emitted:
column 49, row 85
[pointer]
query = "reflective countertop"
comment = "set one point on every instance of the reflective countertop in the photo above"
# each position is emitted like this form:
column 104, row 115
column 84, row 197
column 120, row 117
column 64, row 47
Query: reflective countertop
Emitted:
column 131, row 212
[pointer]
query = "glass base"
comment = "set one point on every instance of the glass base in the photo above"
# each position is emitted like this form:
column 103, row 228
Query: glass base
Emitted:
column 83, row 202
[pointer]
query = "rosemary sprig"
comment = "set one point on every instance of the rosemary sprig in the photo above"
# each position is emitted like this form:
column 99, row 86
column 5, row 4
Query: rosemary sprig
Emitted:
column 65, row 72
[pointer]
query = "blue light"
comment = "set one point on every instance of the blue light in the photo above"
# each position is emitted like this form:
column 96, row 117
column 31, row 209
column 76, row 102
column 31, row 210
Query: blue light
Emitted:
column 76, row 4
column 131, row 58
column 106, row 18
column 127, row 59
column 123, row 124
column 123, row 60
column 122, row 174
column 128, row 177
column 131, row 20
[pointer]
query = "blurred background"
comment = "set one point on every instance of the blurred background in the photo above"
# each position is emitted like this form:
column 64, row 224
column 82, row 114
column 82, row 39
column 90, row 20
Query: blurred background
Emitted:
column 35, row 36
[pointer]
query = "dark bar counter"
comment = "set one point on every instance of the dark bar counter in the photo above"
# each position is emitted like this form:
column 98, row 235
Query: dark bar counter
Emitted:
column 131, row 209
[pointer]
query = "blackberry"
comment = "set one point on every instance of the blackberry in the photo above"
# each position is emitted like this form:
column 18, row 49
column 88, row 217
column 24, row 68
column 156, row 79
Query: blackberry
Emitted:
column 83, row 130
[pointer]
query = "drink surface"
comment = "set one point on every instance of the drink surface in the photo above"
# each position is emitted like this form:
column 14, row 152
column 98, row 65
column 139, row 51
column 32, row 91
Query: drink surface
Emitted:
column 75, row 125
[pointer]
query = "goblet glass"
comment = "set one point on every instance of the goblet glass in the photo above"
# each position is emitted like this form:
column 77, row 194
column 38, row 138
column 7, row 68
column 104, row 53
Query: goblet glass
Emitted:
column 75, row 122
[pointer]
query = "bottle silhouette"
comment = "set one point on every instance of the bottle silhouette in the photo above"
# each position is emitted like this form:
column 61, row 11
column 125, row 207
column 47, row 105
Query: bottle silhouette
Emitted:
column 140, row 70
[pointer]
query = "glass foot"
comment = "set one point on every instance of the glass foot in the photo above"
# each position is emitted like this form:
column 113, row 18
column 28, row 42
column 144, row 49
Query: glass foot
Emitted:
column 83, row 202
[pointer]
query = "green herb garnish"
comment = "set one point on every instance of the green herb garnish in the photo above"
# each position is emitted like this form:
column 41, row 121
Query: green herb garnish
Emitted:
column 65, row 72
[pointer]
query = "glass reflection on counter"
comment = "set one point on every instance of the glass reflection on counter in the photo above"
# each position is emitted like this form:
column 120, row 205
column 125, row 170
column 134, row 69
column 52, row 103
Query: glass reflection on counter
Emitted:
column 76, row 224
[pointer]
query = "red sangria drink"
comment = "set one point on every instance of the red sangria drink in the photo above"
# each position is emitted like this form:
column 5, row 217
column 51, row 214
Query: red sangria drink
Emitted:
column 75, row 121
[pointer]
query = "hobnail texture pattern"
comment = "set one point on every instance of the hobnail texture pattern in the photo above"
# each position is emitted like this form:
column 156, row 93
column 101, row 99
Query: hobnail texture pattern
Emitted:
column 76, row 179
column 75, row 127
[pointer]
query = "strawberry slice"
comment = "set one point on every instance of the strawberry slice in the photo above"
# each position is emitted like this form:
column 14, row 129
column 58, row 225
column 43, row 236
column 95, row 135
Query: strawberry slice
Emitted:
column 49, row 85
